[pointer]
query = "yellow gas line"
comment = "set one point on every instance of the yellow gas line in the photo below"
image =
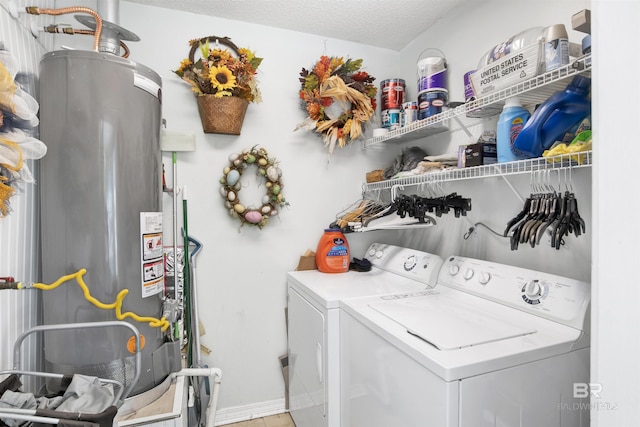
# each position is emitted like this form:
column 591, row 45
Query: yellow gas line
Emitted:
column 116, row 305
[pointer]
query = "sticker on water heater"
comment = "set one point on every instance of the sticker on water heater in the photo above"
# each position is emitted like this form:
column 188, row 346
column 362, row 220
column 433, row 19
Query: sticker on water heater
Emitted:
column 151, row 253
column 153, row 278
column 151, row 246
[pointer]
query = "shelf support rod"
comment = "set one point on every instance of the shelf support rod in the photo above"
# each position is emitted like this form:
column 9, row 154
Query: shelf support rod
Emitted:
column 462, row 126
column 518, row 195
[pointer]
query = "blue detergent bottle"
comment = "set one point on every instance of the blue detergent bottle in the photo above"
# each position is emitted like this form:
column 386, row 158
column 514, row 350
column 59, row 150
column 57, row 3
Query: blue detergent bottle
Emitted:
column 556, row 116
column 510, row 124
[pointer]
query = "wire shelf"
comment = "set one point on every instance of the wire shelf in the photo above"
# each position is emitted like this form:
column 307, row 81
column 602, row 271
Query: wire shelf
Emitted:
column 531, row 92
column 563, row 161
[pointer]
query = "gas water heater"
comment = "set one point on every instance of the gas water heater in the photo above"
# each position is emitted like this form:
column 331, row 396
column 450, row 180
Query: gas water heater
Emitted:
column 101, row 209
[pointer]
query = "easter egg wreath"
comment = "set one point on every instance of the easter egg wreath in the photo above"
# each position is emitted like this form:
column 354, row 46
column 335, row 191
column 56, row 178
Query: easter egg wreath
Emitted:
column 268, row 169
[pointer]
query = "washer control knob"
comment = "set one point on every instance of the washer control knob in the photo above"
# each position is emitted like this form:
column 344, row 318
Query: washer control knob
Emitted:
column 533, row 290
column 484, row 278
column 468, row 274
column 453, row 269
column 372, row 251
column 410, row 262
column 379, row 254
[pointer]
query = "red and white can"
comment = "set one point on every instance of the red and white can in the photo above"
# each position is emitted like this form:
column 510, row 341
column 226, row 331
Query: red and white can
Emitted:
column 392, row 91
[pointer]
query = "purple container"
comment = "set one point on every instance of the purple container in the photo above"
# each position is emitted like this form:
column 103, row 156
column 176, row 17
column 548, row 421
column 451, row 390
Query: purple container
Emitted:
column 469, row 95
column 432, row 74
column 431, row 102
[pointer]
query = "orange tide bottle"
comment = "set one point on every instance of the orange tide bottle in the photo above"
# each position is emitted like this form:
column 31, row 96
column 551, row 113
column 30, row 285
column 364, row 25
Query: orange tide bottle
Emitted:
column 332, row 255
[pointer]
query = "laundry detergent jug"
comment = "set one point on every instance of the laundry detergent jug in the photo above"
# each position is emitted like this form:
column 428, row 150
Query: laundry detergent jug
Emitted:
column 332, row 254
column 559, row 114
column 511, row 121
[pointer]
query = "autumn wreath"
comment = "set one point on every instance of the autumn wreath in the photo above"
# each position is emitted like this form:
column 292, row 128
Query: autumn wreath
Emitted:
column 339, row 98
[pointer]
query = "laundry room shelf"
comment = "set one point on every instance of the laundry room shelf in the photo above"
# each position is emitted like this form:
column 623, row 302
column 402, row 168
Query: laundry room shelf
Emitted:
column 531, row 92
column 565, row 162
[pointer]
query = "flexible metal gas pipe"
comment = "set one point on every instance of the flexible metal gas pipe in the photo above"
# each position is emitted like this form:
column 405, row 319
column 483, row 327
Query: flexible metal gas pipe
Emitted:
column 54, row 29
column 34, row 10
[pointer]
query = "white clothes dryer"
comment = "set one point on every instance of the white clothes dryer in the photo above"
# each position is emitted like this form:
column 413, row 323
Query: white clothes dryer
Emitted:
column 314, row 330
column 489, row 345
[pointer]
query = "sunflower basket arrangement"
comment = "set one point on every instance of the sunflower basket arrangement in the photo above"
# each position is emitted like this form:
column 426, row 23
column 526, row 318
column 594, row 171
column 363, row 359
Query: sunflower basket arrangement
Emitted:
column 339, row 98
column 224, row 81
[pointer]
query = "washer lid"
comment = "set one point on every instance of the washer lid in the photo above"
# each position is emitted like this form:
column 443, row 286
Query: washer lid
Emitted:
column 450, row 321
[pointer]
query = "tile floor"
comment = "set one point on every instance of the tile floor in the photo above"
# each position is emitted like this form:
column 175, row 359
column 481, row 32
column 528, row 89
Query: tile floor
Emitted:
column 279, row 420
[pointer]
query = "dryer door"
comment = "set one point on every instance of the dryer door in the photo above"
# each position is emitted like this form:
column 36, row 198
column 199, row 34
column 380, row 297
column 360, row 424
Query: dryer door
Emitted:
column 307, row 362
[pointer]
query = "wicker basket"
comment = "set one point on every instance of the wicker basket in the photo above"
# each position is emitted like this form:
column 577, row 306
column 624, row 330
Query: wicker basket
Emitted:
column 222, row 115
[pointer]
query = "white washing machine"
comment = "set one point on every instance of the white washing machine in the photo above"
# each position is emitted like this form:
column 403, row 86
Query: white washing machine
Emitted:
column 314, row 330
column 489, row 345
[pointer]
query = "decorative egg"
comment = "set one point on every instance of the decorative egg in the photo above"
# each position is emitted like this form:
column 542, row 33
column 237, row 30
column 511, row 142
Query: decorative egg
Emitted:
column 238, row 186
column 231, row 196
column 237, row 162
column 223, row 192
column 250, row 158
column 272, row 173
column 274, row 212
column 245, row 151
column 265, row 199
column 275, row 189
column 269, row 184
column 232, row 177
column 226, row 170
column 239, row 207
column 253, row 217
column 227, row 204
column 262, row 171
column 265, row 209
column 233, row 157
column 262, row 161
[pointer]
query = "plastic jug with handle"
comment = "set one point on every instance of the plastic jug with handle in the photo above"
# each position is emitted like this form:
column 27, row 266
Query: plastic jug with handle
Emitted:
column 554, row 117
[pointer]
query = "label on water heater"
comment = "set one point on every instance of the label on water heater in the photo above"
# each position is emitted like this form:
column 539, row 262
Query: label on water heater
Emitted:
column 151, row 254
column 146, row 84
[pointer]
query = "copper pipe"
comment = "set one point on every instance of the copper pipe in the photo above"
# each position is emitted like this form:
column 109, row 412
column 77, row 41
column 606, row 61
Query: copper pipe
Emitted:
column 34, row 10
column 54, row 29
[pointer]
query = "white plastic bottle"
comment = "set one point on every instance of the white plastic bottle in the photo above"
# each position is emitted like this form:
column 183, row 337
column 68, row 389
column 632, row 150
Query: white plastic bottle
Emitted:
column 511, row 121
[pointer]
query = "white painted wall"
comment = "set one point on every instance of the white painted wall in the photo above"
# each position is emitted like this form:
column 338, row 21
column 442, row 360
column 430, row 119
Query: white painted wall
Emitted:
column 242, row 272
column 616, row 320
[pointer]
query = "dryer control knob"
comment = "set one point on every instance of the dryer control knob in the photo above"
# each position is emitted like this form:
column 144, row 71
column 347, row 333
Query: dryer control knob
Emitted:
column 372, row 251
column 379, row 254
column 453, row 269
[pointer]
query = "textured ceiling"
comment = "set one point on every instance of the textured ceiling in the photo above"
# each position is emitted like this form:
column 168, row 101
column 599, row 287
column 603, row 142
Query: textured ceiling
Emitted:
column 389, row 24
